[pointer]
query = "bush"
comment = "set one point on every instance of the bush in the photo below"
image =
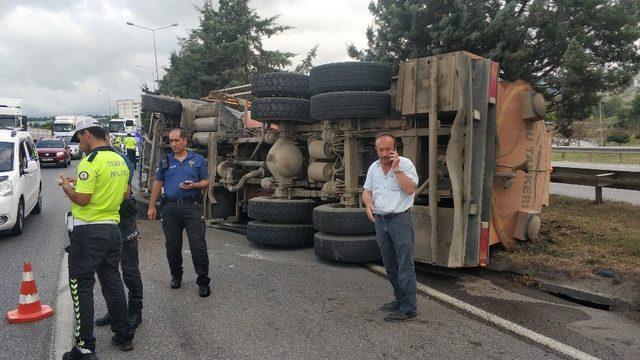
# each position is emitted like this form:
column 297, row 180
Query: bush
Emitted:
column 620, row 138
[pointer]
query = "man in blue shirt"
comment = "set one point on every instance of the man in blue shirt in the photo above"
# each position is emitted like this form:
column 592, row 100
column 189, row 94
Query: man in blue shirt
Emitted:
column 183, row 175
column 388, row 196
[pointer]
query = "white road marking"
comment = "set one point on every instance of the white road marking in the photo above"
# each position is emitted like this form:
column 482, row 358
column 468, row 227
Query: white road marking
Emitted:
column 497, row 321
column 62, row 335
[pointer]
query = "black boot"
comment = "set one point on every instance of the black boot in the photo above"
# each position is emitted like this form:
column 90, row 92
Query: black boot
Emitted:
column 104, row 321
column 75, row 354
column 124, row 343
column 135, row 318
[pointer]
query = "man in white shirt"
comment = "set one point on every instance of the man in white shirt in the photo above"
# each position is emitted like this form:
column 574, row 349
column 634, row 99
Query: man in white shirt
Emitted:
column 388, row 197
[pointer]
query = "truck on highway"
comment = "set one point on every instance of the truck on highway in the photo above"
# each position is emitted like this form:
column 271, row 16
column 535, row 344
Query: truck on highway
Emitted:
column 288, row 155
column 11, row 114
column 64, row 125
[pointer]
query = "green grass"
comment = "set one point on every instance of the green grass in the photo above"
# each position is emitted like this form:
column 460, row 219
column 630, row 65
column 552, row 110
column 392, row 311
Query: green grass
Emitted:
column 579, row 237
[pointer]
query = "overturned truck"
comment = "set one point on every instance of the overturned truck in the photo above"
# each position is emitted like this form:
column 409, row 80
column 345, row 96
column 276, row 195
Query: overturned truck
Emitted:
column 288, row 155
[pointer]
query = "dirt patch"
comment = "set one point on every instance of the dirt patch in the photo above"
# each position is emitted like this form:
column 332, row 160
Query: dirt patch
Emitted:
column 580, row 239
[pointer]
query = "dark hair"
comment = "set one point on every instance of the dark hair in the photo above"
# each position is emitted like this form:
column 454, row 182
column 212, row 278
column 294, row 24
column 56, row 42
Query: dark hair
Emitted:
column 183, row 133
column 388, row 134
column 98, row 132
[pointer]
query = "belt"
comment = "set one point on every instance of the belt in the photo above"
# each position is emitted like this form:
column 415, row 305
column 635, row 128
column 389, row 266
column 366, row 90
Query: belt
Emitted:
column 78, row 222
column 391, row 215
column 187, row 199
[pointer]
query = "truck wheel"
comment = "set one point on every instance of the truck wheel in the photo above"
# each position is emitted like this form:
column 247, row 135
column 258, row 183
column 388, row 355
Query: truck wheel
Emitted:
column 288, row 109
column 281, row 211
column 162, row 104
column 333, row 219
column 263, row 233
column 349, row 76
column 280, row 84
column 350, row 104
column 346, row 248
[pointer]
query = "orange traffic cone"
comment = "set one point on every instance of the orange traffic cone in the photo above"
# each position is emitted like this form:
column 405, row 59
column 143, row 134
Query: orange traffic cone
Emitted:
column 29, row 308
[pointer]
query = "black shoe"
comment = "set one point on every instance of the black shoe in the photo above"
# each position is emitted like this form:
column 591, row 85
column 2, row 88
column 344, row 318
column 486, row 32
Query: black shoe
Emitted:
column 124, row 343
column 401, row 316
column 135, row 319
column 175, row 283
column 204, row 290
column 390, row 306
column 104, row 321
column 75, row 354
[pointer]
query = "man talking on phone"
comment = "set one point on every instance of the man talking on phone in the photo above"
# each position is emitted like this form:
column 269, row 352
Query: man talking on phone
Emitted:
column 388, row 196
column 183, row 175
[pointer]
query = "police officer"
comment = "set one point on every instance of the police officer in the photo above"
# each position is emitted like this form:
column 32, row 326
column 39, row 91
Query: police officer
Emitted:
column 130, row 146
column 183, row 175
column 129, row 258
column 95, row 240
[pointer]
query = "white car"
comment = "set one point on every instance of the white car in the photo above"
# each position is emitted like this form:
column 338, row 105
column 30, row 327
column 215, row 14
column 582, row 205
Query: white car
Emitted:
column 20, row 180
column 76, row 153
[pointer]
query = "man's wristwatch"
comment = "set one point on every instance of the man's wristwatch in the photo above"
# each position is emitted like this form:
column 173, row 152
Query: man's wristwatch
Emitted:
column 398, row 170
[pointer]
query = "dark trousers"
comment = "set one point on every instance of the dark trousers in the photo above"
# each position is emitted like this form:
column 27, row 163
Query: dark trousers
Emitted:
column 95, row 249
column 177, row 216
column 131, row 154
column 396, row 240
column 130, row 262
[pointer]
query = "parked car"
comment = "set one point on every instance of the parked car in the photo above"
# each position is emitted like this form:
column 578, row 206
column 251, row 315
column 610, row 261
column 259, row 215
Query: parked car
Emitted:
column 76, row 152
column 54, row 151
column 20, row 180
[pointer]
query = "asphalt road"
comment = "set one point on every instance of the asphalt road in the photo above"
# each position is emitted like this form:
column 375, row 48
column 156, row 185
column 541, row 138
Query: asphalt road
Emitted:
column 42, row 243
column 287, row 304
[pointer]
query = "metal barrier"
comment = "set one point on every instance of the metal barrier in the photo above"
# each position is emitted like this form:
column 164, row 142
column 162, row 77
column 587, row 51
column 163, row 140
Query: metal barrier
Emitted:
column 599, row 175
column 620, row 150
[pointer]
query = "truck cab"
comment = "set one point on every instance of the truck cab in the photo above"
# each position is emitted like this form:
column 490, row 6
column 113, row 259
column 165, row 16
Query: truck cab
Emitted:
column 11, row 116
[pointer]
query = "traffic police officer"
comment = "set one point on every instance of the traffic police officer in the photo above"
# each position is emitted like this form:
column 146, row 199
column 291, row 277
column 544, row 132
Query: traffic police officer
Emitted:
column 183, row 174
column 130, row 146
column 95, row 240
column 129, row 258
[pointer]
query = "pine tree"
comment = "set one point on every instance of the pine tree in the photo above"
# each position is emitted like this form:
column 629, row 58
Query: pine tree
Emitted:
column 223, row 51
column 534, row 40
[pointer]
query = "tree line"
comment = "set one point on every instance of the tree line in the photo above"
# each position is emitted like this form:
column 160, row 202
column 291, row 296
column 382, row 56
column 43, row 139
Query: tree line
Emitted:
column 574, row 52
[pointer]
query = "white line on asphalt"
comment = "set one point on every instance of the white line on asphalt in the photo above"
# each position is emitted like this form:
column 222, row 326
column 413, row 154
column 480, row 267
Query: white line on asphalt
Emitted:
column 63, row 330
column 496, row 320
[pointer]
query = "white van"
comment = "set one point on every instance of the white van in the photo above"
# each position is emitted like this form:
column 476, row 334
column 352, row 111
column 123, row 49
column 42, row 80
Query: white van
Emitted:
column 20, row 180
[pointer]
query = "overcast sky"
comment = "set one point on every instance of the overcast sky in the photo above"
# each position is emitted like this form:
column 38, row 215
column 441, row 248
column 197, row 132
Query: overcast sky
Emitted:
column 57, row 54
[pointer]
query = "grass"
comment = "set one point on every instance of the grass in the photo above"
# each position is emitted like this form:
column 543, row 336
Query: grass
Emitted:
column 632, row 159
column 578, row 237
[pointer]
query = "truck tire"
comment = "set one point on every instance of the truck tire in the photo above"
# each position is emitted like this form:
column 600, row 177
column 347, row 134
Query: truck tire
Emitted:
column 333, row 219
column 346, row 248
column 350, row 104
column 162, row 104
column 281, row 211
column 280, row 84
column 287, row 109
column 349, row 76
column 294, row 235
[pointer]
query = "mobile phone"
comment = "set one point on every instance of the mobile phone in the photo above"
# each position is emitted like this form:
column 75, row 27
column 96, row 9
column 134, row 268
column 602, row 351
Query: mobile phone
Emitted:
column 187, row 182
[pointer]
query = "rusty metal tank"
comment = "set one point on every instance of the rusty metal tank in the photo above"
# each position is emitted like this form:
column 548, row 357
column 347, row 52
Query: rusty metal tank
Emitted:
column 523, row 165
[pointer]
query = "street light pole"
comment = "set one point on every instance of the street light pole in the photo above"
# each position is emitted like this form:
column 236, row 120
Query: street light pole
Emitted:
column 155, row 81
column 109, row 101
column 153, row 32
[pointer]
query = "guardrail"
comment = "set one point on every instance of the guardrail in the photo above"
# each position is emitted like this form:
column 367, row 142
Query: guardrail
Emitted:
column 620, row 150
column 598, row 175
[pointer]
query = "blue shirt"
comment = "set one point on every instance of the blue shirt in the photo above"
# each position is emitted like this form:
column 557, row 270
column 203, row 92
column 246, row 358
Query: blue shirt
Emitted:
column 193, row 167
column 387, row 195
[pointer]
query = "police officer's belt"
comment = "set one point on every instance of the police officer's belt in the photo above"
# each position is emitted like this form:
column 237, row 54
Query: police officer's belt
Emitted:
column 78, row 222
column 192, row 198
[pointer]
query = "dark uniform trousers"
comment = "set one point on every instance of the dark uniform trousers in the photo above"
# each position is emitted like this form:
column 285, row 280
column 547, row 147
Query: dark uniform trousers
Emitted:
column 131, row 154
column 95, row 249
column 130, row 262
column 177, row 216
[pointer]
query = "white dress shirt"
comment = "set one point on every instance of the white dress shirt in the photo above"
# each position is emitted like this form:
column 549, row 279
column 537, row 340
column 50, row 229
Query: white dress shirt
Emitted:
column 387, row 195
